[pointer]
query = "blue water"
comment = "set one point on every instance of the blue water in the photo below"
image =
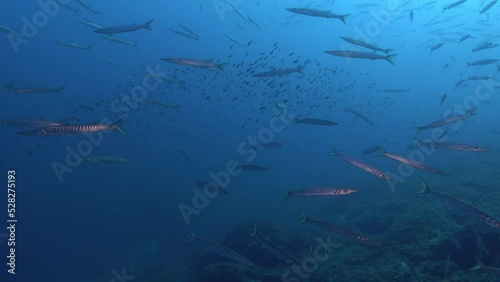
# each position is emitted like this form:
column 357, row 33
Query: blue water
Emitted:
column 92, row 222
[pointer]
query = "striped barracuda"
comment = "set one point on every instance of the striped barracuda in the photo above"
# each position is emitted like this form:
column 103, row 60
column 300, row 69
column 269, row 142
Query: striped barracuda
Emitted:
column 202, row 64
column 333, row 228
column 450, row 146
column 365, row 45
column 72, row 129
column 447, row 120
column 457, row 204
column 412, row 163
column 275, row 249
column 318, row 192
column 361, row 165
column 34, row 90
column 104, row 160
column 124, row 28
column 221, row 250
column 361, row 55
column 318, row 13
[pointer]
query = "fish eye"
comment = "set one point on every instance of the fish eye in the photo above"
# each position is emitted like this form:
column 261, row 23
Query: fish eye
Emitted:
column 497, row 224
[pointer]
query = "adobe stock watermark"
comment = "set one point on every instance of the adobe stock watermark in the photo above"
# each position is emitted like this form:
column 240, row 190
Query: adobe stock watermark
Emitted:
column 221, row 179
column 320, row 253
column 31, row 27
column 121, row 276
column 467, row 108
column 123, row 106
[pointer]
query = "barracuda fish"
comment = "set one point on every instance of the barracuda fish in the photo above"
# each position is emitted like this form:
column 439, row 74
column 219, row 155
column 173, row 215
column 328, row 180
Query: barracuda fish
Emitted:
column 67, row 6
column 333, row 228
column 263, row 146
column 371, row 150
column 187, row 35
column 121, row 41
column 361, row 165
column 457, row 204
column 124, row 28
column 460, row 82
column 463, row 38
column 87, row 7
column 104, row 160
column 237, row 41
column 275, row 249
column 168, row 105
column 484, row 46
column 14, row 33
column 34, row 90
column 89, row 24
column 280, row 72
column 159, row 76
column 361, row 55
column 111, row 62
column 188, row 30
column 358, row 115
column 450, row 146
column 73, row 45
column 185, row 156
column 77, row 128
column 221, row 250
column 251, row 168
column 412, row 163
column 453, row 5
column 479, row 77
column 318, row 13
column 484, row 62
column 366, row 45
column 318, row 192
column 240, row 13
column 314, row 121
column 435, row 47
column 30, row 122
column 208, row 184
column 445, row 121
column 397, row 90
column 202, row 64
column 488, row 6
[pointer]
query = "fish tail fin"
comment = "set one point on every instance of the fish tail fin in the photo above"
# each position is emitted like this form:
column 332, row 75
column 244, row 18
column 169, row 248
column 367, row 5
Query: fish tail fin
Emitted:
column 193, row 237
column 89, row 48
column 390, row 57
column 148, row 24
column 117, row 125
column 221, row 67
column 387, row 51
column 334, row 152
column 381, row 152
column 419, row 129
column 135, row 44
column 419, row 142
column 249, row 43
column 301, row 70
column 304, row 218
column 182, row 82
column 343, row 17
column 287, row 195
column 10, row 85
column 425, row 188
column 478, row 266
column 254, row 233
column 60, row 90
column 468, row 65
